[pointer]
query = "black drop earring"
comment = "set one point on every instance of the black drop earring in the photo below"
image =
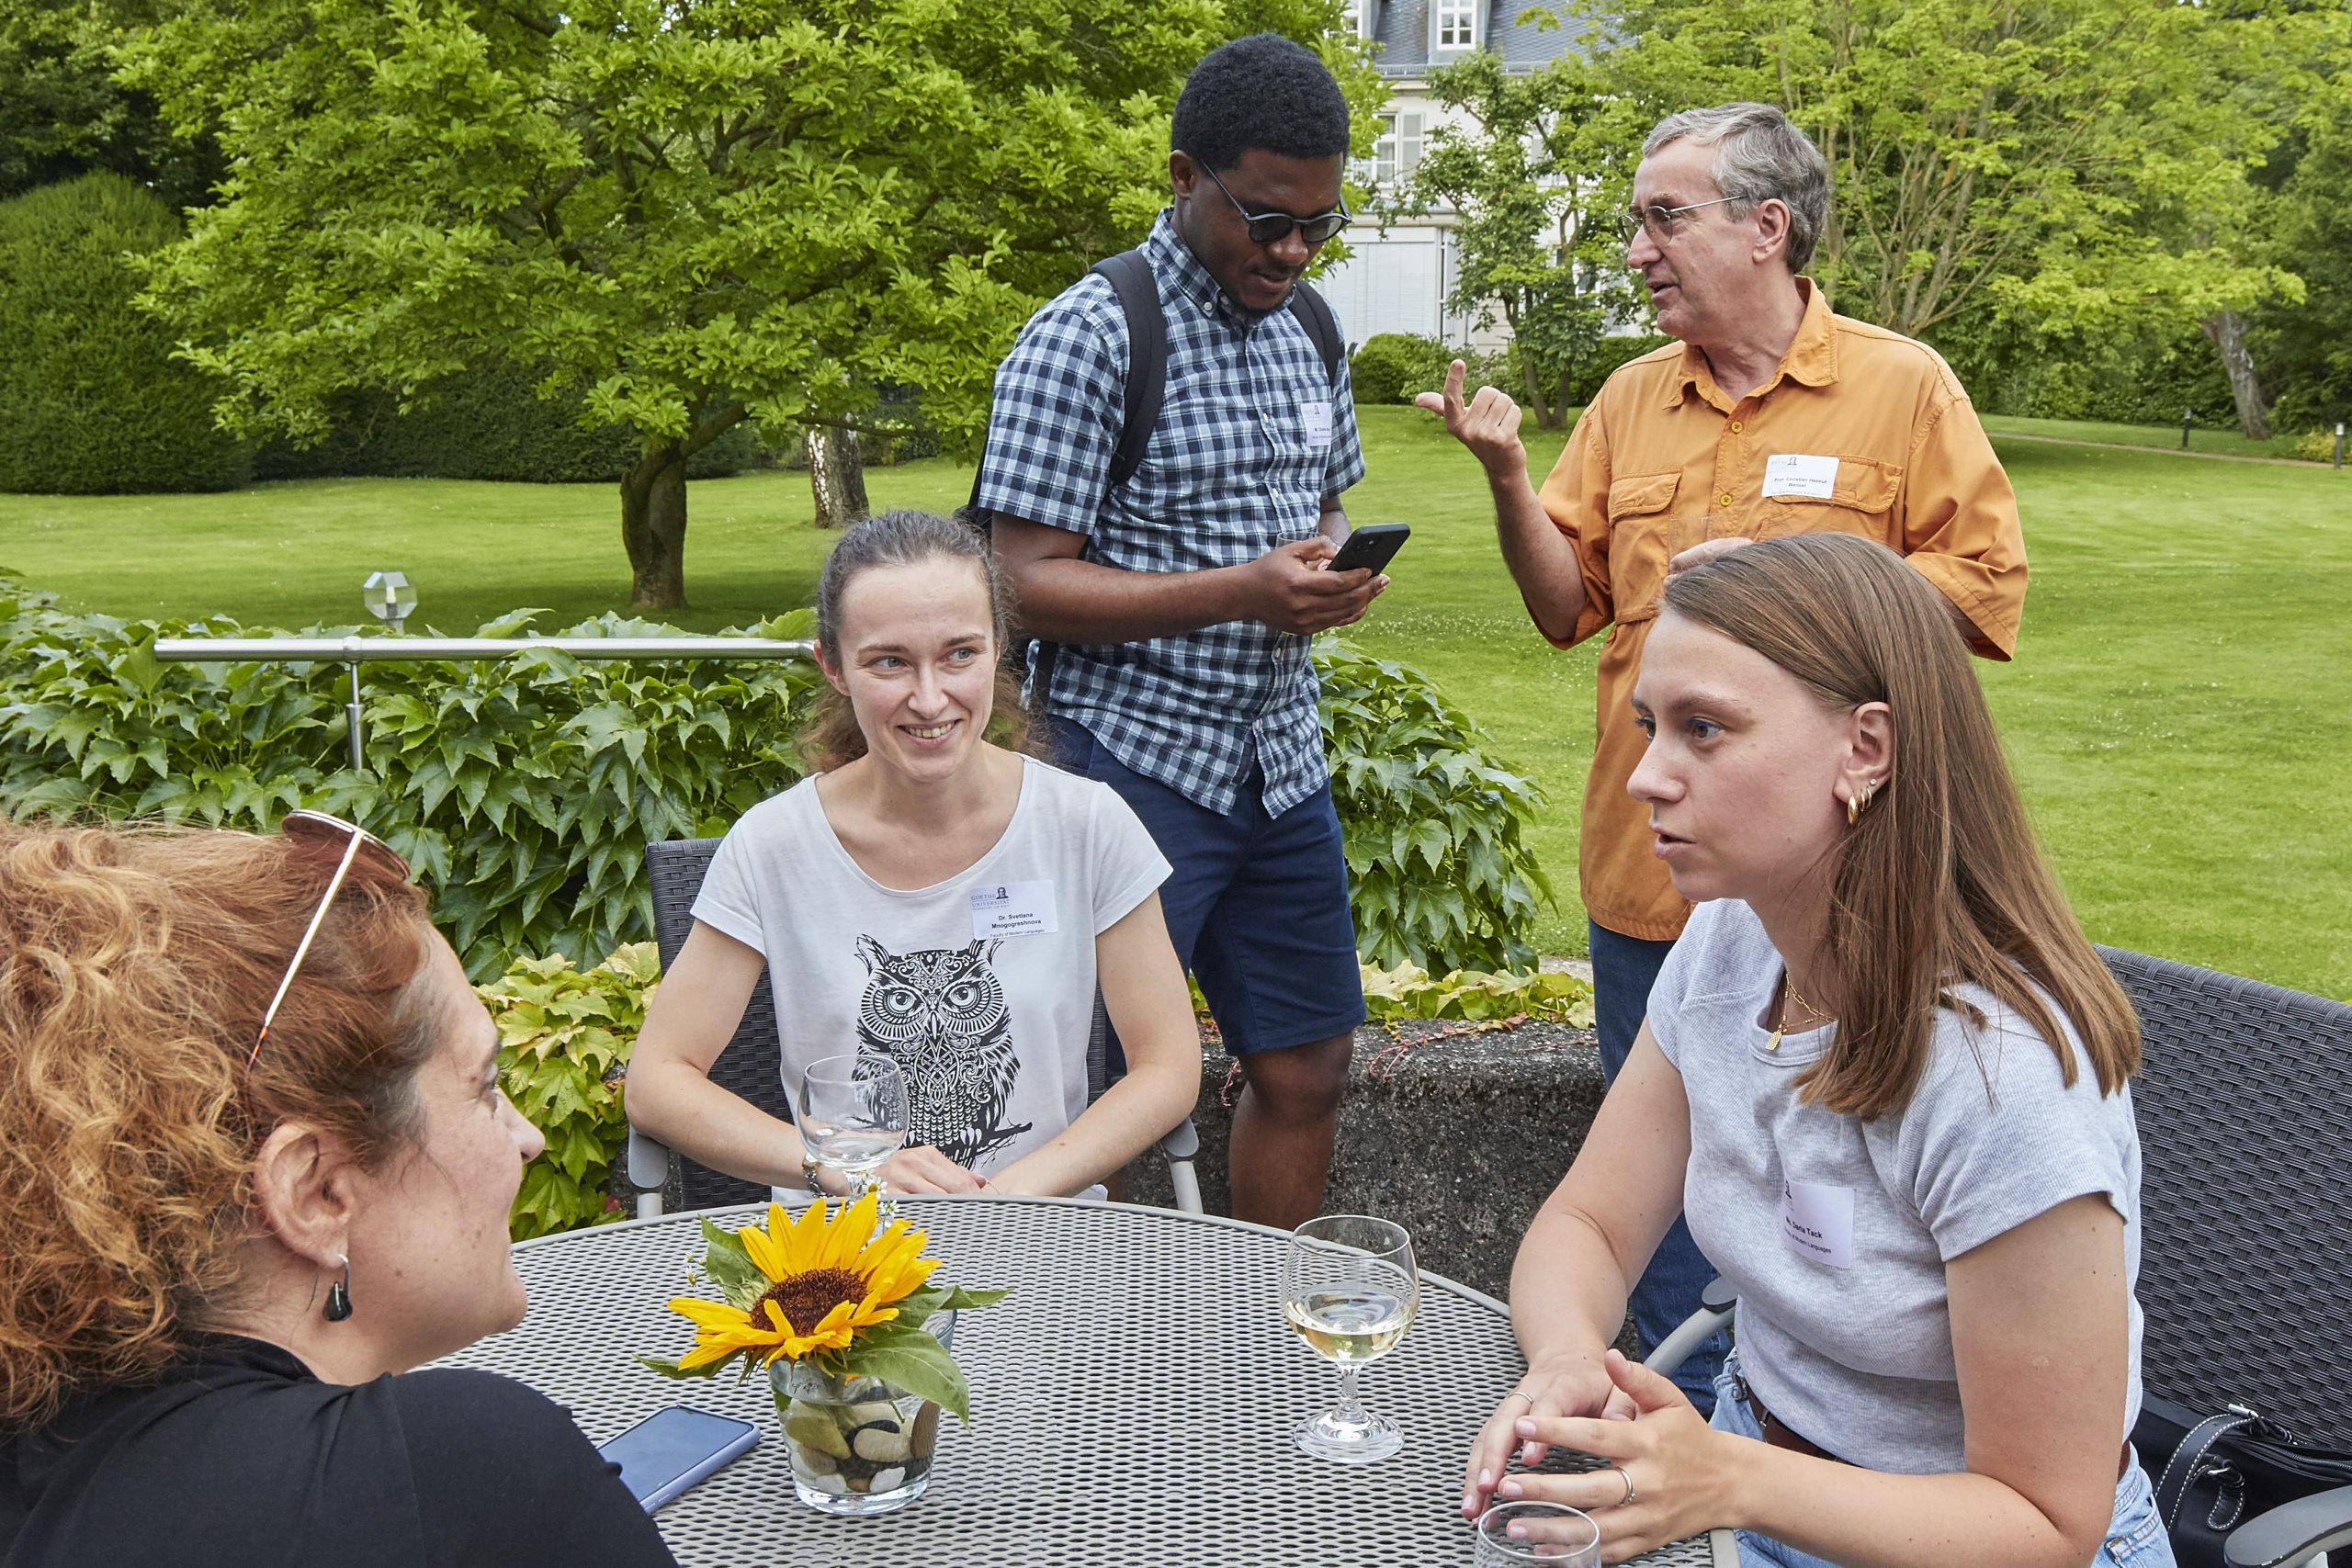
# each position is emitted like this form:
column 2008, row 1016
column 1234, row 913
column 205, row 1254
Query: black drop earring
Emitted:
column 338, row 1306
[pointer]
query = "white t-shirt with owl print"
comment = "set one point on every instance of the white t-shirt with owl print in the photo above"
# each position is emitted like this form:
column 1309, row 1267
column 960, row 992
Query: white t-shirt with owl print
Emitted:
column 980, row 987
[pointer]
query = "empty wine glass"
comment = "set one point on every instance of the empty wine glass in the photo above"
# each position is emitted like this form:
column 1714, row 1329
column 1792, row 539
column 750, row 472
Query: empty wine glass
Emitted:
column 1549, row 1533
column 1349, row 1291
column 854, row 1115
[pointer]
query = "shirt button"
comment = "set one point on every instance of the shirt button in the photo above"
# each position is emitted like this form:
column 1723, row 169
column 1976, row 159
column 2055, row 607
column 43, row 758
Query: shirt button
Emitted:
column 1735, row 427
column 1724, row 500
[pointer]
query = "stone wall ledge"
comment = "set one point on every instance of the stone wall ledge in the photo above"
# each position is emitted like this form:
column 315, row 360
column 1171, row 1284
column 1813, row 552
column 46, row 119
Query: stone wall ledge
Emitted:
column 1456, row 1136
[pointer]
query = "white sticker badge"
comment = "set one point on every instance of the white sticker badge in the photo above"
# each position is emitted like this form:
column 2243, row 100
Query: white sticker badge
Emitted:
column 1796, row 473
column 1316, row 415
column 1817, row 1221
column 1012, row 909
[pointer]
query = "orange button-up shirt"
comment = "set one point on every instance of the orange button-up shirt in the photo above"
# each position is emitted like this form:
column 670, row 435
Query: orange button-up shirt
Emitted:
column 1663, row 460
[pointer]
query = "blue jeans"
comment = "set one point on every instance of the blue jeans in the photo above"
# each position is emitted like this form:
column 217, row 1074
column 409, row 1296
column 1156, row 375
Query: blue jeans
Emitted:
column 2135, row 1536
column 1624, row 970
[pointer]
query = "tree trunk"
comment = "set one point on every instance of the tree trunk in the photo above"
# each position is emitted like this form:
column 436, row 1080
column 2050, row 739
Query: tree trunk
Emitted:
column 2227, row 328
column 836, row 475
column 654, row 527
column 1547, row 417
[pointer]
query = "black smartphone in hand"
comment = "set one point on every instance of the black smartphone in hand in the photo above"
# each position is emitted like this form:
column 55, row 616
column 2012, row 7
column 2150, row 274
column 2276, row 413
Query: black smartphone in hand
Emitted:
column 1372, row 546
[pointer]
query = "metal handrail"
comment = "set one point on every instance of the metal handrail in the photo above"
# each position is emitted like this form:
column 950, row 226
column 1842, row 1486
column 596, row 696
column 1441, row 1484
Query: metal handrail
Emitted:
column 359, row 649
column 354, row 651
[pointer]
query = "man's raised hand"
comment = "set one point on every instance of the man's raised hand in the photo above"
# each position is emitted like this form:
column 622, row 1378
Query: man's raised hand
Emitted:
column 1488, row 424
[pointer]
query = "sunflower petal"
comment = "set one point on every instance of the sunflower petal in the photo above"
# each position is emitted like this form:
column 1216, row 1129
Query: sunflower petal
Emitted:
column 709, row 1314
column 765, row 1251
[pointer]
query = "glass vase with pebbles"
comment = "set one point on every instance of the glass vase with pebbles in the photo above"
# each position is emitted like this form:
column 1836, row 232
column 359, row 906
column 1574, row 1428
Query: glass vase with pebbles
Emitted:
column 859, row 1445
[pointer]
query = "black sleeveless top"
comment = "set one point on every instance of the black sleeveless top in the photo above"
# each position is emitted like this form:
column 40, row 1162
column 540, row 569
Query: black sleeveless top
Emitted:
column 238, row 1456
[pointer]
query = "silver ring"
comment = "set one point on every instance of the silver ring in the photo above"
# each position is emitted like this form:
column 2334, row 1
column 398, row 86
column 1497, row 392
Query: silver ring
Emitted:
column 1514, row 1393
column 1628, row 1480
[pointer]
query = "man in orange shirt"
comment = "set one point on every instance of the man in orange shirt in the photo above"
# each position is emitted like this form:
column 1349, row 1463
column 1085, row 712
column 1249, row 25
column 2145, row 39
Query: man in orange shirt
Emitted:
column 1772, row 416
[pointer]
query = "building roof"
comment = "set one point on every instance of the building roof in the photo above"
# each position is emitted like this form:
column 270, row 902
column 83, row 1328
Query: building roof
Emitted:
column 1401, row 31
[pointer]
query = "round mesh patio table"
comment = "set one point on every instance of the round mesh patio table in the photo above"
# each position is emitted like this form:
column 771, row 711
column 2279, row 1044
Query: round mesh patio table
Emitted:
column 1132, row 1401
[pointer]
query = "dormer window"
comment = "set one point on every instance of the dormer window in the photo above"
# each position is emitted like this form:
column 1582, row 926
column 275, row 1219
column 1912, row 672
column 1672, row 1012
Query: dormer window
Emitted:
column 1355, row 17
column 1457, row 24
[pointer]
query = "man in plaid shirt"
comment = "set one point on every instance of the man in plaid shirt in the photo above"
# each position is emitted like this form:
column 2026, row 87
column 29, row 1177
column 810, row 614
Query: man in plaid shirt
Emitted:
column 1182, row 600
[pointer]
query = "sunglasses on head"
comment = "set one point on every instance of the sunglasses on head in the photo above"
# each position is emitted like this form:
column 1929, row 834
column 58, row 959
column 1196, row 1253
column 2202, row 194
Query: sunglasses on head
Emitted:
column 1269, row 227
column 316, row 827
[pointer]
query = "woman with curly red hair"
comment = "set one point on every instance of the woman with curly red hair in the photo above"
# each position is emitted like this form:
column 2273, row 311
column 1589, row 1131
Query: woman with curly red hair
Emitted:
column 257, row 1166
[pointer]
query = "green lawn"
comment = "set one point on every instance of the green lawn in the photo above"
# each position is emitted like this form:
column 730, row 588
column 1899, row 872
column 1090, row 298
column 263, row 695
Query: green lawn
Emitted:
column 2171, row 714
column 2218, row 437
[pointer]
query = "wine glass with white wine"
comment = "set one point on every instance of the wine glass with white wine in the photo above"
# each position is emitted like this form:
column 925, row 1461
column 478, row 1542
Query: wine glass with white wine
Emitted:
column 1350, row 1290
column 854, row 1115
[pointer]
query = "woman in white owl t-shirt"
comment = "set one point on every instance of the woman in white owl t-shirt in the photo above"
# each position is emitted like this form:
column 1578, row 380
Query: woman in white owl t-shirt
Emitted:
column 933, row 896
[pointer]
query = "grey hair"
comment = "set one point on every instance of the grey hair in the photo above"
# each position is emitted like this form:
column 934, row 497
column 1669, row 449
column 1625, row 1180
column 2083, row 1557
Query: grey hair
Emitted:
column 1759, row 156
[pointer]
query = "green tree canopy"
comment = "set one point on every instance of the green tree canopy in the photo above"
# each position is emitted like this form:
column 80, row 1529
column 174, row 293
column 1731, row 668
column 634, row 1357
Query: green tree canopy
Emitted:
column 698, row 210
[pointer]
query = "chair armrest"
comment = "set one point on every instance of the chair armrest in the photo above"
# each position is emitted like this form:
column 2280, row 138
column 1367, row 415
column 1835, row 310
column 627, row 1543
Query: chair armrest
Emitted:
column 2293, row 1532
column 648, row 1162
column 1716, row 1303
column 1182, row 1142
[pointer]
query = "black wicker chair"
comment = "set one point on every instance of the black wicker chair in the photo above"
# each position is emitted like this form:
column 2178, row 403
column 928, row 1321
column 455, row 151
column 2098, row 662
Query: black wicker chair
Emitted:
column 748, row 1067
column 2244, row 1105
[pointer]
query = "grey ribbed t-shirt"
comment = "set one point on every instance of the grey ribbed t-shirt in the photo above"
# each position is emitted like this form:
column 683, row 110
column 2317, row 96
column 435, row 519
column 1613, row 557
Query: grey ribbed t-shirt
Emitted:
column 1835, row 1231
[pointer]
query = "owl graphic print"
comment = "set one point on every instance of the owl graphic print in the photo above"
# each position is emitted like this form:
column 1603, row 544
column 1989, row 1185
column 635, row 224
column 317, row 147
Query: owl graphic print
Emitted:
column 939, row 1014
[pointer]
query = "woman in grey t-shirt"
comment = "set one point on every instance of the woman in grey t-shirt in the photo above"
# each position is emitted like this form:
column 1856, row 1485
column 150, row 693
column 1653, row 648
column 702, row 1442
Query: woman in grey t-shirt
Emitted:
column 1887, row 1078
column 932, row 896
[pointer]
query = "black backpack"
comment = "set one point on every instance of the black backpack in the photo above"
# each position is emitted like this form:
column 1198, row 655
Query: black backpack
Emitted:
column 1147, row 383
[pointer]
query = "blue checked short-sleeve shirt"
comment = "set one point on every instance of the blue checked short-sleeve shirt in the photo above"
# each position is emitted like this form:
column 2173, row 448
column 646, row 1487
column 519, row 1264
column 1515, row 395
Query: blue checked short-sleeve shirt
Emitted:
column 1239, row 464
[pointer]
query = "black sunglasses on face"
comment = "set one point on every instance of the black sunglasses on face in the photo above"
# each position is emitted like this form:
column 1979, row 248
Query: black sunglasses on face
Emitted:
column 1268, row 228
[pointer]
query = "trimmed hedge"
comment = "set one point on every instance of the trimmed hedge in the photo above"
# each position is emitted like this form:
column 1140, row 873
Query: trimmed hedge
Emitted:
column 488, row 423
column 524, row 791
column 1392, row 366
column 91, row 400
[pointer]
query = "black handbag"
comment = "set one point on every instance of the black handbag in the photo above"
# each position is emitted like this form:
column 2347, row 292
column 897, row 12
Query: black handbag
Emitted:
column 2214, row 1472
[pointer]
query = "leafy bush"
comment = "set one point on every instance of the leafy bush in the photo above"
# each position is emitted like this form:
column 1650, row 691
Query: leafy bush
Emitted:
column 2316, row 445
column 524, row 791
column 1433, row 824
column 487, row 422
column 1392, row 366
column 1409, row 992
column 1602, row 360
column 564, row 1037
column 91, row 400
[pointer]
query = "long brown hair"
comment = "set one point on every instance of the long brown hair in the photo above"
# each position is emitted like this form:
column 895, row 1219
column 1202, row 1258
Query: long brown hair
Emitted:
column 1939, row 882
column 831, row 737
column 135, row 964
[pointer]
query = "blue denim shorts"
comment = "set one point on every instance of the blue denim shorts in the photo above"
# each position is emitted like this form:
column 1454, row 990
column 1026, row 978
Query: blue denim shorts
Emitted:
column 1257, row 906
column 2135, row 1536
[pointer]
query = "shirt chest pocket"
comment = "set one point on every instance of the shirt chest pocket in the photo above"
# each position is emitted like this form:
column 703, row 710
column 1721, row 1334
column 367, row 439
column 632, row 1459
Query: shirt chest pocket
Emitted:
column 1861, row 501
column 1640, row 506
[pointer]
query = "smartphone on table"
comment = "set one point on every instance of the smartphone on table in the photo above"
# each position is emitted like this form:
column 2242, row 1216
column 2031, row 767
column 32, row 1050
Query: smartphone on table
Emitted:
column 1372, row 546
column 673, row 1448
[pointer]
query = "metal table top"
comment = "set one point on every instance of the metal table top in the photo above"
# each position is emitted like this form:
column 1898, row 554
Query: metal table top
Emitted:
column 1132, row 1401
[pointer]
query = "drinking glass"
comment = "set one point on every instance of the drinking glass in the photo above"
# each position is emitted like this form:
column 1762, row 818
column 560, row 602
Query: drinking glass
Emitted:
column 1551, row 1533
column 854, row 1115
column 1349, row 1291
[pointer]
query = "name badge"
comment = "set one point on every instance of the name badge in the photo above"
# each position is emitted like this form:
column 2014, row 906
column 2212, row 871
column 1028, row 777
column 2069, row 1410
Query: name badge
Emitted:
column 1012, row 909
column 1795, row 473
column 1316, row 415
column 1817, row 1221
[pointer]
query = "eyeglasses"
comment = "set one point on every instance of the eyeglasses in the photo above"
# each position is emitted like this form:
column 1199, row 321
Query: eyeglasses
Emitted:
column 1658, row 220
column 315, row 827
column 1268, row 228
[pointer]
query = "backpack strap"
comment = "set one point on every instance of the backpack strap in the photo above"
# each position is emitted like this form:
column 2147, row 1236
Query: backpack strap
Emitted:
column 1314, row 313
column 1130, row 275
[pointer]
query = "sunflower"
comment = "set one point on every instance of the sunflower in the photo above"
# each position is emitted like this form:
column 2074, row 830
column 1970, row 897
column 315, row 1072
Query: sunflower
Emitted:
column 828, row 1277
